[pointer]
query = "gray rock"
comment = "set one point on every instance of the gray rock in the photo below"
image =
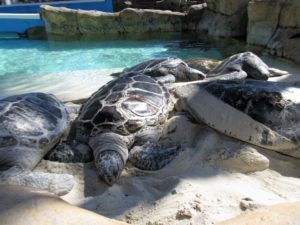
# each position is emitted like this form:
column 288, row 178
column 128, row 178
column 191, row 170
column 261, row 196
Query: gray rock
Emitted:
column 275, row 25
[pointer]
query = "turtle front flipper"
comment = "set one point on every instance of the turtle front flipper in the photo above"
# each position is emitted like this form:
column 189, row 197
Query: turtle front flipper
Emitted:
column 277, row 72
column 59, row 184
column 152, row 157
column 234, row 75
column 110, row 153
column 70, row 151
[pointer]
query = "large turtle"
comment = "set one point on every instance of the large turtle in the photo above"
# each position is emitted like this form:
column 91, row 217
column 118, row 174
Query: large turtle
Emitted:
column 128, row 114
column 31, row 124
column 124, row 118
column 265, row 114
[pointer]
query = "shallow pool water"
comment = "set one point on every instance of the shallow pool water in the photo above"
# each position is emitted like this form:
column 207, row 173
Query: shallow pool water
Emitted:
column 73, row 70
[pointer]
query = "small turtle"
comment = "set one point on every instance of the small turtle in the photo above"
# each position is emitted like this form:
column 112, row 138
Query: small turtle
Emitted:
column 31, row 124
column 128, row 114
column 244, row 65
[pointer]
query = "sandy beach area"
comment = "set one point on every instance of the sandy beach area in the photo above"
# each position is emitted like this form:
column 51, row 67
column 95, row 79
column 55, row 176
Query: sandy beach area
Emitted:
column 215, row 178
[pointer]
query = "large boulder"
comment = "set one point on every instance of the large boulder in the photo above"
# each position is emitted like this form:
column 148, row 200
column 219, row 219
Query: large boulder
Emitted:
column 263, row 21
column 227, row 7
column 193, row 16
column 276, row 25
column 226, row 18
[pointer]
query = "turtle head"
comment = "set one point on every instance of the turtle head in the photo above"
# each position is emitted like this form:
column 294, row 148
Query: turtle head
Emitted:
column 183, row 72
column 110, row 153
column 194, row 74
column 109, row 166
column 257, row 69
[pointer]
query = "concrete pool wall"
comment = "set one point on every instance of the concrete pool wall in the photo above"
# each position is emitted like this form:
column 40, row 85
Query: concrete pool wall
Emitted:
column 19, row 17
column 65, row 22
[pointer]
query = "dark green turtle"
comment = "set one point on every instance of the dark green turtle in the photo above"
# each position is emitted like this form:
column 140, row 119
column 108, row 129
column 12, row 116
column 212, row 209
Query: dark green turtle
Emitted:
column 124, row 119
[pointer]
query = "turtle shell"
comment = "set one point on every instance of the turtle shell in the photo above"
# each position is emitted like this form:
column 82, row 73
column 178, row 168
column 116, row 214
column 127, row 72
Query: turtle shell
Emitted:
column 125, row 105
column 31, row 124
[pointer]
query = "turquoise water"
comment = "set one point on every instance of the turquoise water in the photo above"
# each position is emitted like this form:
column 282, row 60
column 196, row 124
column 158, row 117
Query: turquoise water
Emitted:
column 23, row 57
column 73, row 70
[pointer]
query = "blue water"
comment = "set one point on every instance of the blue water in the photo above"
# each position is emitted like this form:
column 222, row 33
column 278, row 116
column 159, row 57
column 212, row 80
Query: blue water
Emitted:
column 23, row 57
column 62, row 68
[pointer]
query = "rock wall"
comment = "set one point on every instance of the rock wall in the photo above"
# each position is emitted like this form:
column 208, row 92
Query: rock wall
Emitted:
column 226, row 18
column 75, row 23
column 275, row 24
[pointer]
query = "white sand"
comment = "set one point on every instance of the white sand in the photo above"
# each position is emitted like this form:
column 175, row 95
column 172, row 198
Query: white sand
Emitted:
column 198, row 187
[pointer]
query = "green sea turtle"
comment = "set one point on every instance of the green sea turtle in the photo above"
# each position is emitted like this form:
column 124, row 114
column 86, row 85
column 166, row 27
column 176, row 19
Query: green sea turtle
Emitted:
column 31, row 124
column 244, row 65
column 265, row 114
column 127, row 114
column 123, row 119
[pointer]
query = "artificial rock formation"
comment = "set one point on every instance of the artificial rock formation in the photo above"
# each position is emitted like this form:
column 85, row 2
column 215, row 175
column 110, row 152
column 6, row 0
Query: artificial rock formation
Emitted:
column 227, row 18
column 275, row 25
column 74, row 23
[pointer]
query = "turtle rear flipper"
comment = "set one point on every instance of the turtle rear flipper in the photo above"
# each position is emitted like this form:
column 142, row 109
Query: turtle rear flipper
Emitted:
column 59, row 184
column 152, row 157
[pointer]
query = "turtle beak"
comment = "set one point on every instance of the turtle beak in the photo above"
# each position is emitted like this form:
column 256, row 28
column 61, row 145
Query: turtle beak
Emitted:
column 195, row 74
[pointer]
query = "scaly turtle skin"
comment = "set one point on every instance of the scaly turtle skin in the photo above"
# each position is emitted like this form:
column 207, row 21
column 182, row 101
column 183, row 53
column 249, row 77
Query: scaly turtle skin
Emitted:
column 31, row 124
column 127, row 113
column 265, row 114
column 120, row 120
column 244, row 65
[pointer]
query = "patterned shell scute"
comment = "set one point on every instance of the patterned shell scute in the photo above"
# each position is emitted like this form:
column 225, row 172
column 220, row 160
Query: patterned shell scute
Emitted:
column 31, row 120
column 125, row 105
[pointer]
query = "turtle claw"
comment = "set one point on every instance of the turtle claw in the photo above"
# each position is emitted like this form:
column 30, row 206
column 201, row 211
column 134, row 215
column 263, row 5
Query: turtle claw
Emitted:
column 109, row 165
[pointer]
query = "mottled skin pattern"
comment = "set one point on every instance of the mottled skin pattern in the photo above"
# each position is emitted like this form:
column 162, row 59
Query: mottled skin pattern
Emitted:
column 128, row 113
column 31, row 124
column 124, row 118
column 274, row 104
column 244, row 65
